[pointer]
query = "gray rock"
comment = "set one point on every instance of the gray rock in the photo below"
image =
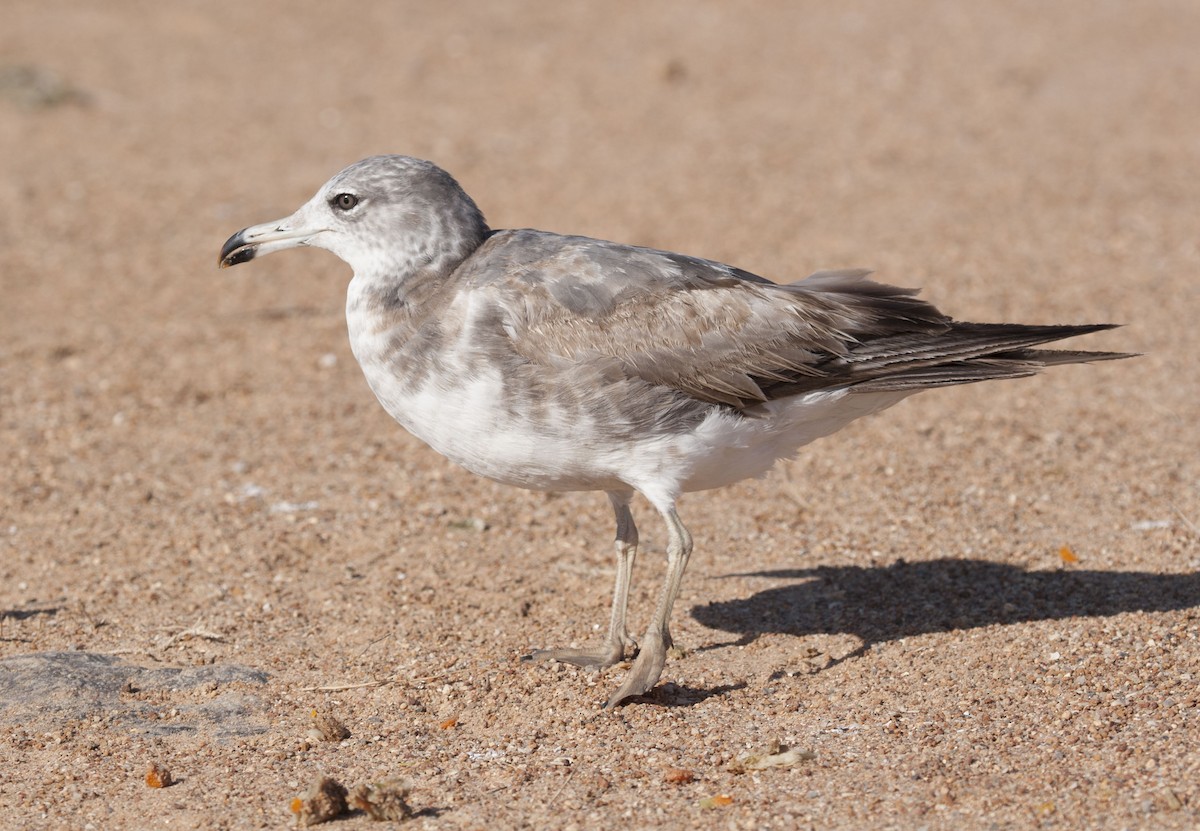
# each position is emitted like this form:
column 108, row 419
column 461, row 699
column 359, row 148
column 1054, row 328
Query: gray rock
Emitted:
column 51, row 688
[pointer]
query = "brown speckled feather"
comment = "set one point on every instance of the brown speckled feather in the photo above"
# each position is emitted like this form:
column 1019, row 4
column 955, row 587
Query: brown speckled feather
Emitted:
column 723, row 335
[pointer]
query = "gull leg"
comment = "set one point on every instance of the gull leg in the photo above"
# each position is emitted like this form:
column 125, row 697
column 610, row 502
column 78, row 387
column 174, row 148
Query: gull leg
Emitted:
column 626, row 545
column 612, row 651
column 646, row 670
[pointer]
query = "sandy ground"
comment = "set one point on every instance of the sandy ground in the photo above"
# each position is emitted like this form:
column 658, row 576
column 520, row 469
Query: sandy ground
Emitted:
column 210, row 530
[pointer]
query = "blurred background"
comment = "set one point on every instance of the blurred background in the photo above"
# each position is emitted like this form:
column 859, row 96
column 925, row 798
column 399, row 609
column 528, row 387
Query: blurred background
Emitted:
column 179, row 443
column 786, row 137
column 1020, row 161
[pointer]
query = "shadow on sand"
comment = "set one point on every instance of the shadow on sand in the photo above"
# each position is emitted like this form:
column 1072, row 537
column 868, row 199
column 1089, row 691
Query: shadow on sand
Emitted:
column 883, row 603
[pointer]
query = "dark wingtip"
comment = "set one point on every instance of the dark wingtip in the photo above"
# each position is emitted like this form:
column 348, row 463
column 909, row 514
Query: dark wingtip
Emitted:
column 235, row 251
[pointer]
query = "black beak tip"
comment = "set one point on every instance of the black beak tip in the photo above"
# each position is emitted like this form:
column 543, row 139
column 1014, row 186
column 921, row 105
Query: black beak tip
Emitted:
column 236, row 251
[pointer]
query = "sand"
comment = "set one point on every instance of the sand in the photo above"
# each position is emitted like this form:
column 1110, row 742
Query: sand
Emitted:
column 978, row 610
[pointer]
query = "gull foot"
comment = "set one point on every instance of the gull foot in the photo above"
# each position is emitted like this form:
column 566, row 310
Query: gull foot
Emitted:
column 597, row 657
column 643, row 675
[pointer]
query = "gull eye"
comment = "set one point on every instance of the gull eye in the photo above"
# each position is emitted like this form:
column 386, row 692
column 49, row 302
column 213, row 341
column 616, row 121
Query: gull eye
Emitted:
column 344, row 201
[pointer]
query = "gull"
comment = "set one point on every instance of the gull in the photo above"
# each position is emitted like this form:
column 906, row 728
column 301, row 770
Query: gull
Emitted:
column 567, row 363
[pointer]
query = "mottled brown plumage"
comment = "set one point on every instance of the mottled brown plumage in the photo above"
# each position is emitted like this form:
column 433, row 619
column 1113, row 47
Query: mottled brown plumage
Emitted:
column 568, row 363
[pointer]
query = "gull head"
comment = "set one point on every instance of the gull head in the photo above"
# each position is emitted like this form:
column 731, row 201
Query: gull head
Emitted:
column 386, row 216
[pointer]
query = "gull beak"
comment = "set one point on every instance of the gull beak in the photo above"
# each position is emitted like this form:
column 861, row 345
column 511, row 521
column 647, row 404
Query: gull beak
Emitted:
column 257, row 240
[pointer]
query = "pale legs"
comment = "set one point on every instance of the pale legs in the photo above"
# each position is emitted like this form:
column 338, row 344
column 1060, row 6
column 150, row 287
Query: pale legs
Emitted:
column 612, row 651
column 648, row 665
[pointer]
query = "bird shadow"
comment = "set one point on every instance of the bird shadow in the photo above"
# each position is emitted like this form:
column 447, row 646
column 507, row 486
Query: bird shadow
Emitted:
column 23, row 614
column 680, row 695
column 885, row 603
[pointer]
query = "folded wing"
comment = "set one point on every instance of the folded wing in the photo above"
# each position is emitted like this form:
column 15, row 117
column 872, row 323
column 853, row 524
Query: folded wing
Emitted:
column 723, row 335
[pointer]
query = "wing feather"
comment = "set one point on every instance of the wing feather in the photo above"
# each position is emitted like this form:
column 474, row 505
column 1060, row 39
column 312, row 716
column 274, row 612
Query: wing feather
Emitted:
column 727, row 336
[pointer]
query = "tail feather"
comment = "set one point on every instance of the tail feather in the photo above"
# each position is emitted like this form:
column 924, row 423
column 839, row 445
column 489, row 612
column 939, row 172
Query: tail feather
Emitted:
column 947, row 375
column 962, row 353
column 1057, row 357
column 960, row 341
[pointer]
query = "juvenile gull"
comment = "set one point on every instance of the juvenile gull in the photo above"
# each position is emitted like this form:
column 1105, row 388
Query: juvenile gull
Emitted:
column 566, row 363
